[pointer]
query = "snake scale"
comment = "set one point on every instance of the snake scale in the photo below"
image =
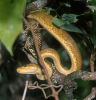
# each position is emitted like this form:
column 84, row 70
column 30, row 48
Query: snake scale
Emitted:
column 29, row 45
column 66, row 41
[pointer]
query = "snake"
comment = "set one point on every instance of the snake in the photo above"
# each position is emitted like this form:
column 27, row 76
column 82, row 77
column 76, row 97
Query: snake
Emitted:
column 29, row 45
column 66, row 41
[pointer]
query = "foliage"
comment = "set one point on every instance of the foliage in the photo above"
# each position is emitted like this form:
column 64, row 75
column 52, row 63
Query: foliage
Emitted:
column 67, row 18
column 10, row 21
column 65, row 22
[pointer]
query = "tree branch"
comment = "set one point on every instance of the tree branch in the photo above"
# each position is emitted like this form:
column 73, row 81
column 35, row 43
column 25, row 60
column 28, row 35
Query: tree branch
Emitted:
column 55, row 94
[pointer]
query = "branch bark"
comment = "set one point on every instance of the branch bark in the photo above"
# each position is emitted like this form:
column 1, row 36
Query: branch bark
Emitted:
column 55, row 94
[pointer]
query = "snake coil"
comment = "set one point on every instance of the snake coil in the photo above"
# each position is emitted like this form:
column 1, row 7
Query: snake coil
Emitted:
column 66, row 41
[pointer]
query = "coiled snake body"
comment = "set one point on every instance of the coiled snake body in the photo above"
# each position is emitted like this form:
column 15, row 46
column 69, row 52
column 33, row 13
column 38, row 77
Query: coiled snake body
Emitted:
column 66, row 41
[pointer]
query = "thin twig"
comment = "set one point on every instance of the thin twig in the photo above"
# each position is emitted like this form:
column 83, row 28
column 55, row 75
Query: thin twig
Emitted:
column 42, row 87
column 92, row 62
column 55, row 94
column 25, row 90
column 92, row 58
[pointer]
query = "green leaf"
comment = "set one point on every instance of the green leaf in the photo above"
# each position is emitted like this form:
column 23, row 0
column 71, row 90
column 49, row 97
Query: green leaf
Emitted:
column 69, row 18
column 71, row 28
column 92, row 7
column 10, row 21
column 57, row 22
column 92, row 2
column 49, row 10
column 66, row 26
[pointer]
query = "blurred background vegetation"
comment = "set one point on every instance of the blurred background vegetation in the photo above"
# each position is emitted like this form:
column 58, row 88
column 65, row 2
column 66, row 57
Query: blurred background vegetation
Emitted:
column 83, row 31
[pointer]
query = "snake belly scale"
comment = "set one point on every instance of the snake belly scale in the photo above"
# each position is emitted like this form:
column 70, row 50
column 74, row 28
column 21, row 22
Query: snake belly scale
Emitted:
column 66, row 41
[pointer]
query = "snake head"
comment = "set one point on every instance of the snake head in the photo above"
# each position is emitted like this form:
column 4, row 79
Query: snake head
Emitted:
column 29, row 69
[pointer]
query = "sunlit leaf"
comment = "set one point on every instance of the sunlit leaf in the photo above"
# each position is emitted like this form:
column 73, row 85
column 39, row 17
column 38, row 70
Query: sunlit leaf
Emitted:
column 11, row 12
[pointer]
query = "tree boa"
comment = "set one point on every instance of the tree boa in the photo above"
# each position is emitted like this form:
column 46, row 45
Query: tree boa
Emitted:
column 66, row 41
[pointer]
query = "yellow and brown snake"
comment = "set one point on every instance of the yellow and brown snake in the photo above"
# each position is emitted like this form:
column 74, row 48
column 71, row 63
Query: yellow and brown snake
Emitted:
column 66, row 41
